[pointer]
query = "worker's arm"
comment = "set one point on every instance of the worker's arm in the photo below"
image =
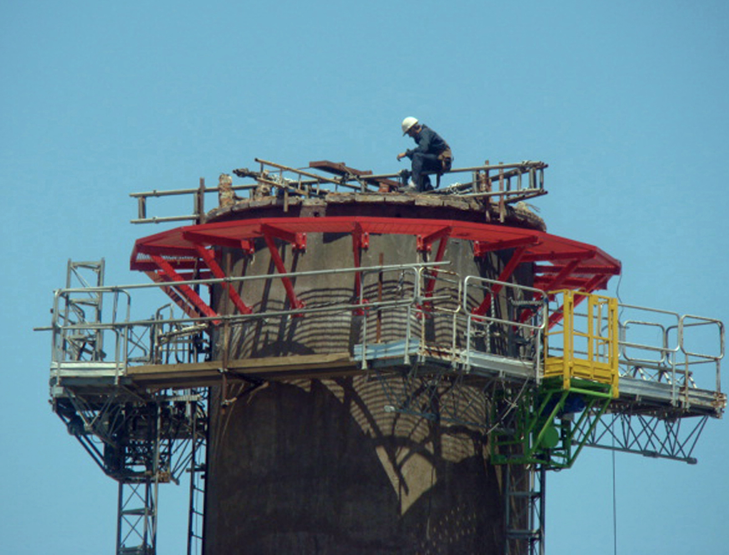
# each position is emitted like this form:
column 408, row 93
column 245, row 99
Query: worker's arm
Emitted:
column 425, row 142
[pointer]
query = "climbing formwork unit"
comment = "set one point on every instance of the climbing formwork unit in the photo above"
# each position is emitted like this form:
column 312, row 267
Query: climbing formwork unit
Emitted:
column 354, row 368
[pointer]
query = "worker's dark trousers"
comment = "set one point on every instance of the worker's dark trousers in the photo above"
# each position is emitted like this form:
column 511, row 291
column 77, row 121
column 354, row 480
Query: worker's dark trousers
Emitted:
column 424, row 163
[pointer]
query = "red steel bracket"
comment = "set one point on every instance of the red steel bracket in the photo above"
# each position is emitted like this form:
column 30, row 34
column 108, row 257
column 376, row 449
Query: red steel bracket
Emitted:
column 209, row 259
column 360, row 240
column 185, row 290
column 278, row 262
column 297, row 239
column 482, row 248
column 425, row 241
column 514, row 262
column 247, row 246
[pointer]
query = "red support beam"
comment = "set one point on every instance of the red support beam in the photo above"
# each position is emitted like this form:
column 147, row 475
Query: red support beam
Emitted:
column 558, row 314
column 184, row 290
column 482, row 248
column 184, row 304
column 209, row 259
column 597, row 282
column 360, row 240
column 430, row 286
column 588, row 269
column 560, row 256
column 556, row 283
column 566, row 272
column 567, row 255
column 514, row 262
column 424, row 242
column 278, row 262
column 202, row 238
column 297, row 239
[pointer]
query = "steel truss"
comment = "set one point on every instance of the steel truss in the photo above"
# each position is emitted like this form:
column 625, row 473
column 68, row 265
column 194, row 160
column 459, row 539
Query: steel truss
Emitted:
column 138, row 437
column 174, row 257
column 650, row 436
column 141, row 442
column 142, row 435
column 550, row 425
column 490, row 370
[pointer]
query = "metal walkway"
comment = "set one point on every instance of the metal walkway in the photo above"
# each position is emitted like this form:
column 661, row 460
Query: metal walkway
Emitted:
column 664, row 379
column 133, row 391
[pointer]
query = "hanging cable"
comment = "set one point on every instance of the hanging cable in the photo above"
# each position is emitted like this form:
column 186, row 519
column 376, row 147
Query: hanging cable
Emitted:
column 617, row 294
column 615, row 504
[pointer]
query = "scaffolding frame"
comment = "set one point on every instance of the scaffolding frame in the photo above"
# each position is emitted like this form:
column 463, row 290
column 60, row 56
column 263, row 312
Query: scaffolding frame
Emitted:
column 674, row 390
column 134, row 392
column 140, row 438
column 143, row 439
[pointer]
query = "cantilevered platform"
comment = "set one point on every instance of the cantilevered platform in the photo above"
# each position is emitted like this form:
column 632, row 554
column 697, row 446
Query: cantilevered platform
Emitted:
column 637, row 396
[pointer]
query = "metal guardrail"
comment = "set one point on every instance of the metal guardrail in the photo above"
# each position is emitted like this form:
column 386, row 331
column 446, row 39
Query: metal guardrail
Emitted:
column 584, row 344
column 513, row 327
column 669, row 357
column 524, row 320
column 157, row 340
column 504, row 182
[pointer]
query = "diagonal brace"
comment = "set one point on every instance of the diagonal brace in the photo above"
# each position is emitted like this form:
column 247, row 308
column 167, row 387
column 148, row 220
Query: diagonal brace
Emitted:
column 278, row 262
column 185, row 290
column 505, row 275
column 209, row 259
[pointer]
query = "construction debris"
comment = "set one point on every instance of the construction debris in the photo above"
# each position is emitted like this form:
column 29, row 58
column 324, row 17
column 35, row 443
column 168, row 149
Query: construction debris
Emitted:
column 493, row 187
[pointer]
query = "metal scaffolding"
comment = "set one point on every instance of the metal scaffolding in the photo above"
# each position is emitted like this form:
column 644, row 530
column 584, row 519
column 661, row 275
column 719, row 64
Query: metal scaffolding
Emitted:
column 140, row 437
column 561, row 368
column 141, row 409
column 525, row 502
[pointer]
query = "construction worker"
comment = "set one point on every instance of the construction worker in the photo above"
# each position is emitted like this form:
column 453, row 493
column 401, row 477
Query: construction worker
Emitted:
column 431, row 155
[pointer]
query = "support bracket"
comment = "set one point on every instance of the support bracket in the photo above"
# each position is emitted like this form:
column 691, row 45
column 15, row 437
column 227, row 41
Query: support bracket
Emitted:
column 269, row 232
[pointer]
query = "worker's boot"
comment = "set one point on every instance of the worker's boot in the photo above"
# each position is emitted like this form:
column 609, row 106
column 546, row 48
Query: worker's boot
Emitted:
column 408, row 186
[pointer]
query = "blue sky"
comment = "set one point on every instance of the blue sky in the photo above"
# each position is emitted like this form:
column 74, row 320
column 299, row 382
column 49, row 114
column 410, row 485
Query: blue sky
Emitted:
column 626, row 101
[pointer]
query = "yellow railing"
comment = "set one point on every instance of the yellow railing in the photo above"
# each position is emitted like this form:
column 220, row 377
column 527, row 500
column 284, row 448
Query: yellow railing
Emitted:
column 583, row 344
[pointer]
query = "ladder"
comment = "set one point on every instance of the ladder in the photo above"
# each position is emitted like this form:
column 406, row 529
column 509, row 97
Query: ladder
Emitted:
column 524, row 492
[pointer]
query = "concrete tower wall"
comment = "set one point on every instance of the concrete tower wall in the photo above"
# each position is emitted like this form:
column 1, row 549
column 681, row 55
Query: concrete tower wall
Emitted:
column 319, row 466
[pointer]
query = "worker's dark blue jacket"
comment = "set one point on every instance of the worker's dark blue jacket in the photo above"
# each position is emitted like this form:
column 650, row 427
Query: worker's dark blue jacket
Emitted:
column 429, row 142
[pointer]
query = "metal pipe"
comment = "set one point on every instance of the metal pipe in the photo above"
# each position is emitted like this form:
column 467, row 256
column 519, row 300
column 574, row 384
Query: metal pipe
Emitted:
column 319, row 178
column 301, row 172
column 173, row 192
column 523, row 193
column 162, row 219
column 213, row 281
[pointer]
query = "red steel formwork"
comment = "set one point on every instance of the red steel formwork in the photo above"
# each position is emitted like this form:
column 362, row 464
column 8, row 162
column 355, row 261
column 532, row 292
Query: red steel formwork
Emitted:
column 189, row 252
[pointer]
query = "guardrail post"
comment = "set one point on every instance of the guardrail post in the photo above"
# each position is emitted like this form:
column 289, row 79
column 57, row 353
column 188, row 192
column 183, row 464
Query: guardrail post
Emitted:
column 199, row 203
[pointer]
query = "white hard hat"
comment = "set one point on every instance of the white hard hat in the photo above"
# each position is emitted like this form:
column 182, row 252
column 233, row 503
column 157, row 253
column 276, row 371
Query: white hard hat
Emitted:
column 407, row 123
